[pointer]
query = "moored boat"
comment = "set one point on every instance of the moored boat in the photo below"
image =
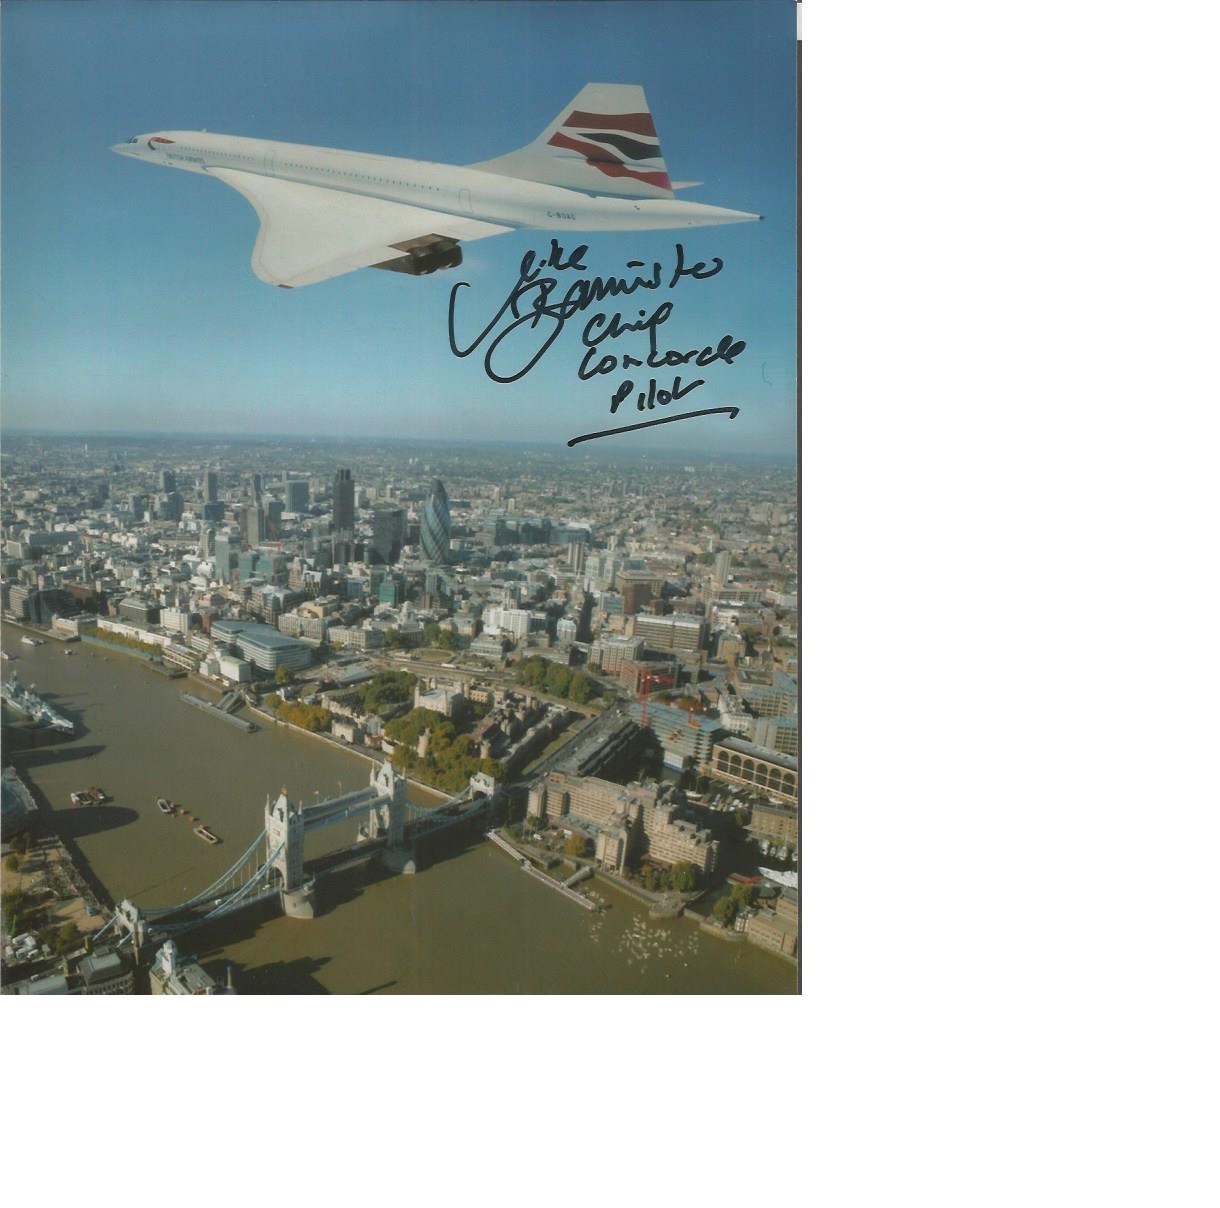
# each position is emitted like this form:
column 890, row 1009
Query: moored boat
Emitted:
column 205, row 834
column 164, row 806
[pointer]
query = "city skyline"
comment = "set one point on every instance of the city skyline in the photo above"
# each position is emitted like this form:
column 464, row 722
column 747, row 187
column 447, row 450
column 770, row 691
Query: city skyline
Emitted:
column 153, row 319
column 597, row 665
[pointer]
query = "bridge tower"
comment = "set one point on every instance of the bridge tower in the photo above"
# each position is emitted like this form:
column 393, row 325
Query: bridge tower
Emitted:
column 127, row 917
column 389, row 819
column 285, row 828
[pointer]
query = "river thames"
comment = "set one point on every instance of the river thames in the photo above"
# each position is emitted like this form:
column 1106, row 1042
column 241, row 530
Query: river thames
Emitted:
column 471, row 922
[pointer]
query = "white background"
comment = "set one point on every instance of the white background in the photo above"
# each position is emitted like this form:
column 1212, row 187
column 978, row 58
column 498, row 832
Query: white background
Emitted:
column 1010, row 636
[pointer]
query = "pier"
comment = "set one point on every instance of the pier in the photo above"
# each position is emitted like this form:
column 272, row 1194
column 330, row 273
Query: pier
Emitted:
column 165, row 669
column 218, row 711
column 539, row 875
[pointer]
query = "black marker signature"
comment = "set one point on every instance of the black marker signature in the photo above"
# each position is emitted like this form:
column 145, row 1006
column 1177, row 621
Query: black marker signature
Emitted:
column 731, row 412
column 536, row 309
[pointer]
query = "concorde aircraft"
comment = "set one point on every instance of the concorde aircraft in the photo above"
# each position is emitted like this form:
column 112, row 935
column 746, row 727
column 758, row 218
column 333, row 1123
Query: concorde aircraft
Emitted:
column 323, row 212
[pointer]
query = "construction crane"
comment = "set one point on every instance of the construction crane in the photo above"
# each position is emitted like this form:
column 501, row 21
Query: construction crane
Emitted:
column 648, row 681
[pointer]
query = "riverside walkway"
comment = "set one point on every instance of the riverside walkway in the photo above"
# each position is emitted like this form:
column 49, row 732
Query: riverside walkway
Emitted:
column 539, row 875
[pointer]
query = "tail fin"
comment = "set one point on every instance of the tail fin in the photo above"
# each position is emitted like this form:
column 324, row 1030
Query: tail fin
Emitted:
column 603, row 141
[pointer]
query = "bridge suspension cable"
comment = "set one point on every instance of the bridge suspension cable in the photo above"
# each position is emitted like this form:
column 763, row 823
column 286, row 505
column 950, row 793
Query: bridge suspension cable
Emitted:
column 213, row 890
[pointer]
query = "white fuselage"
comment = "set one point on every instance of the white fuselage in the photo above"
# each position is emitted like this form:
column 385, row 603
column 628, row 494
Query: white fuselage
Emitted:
column 467, row 192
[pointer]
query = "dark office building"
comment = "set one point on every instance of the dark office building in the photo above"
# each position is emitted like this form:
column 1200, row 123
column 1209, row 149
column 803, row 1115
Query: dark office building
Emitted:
column 387, row 535
column 296, row 495
column 345, row 502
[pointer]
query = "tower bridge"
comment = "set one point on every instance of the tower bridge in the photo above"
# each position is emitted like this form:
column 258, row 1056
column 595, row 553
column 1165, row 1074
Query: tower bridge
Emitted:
column 274, row 863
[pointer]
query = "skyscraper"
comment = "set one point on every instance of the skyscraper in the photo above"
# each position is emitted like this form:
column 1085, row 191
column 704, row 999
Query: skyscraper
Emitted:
column 275, row 511
column 345, row 502
column 222, row 557
column 296, row 494
column 387, row 535
column 168, row 486
column 254, row 524
column 211, row 486
column 434, row 526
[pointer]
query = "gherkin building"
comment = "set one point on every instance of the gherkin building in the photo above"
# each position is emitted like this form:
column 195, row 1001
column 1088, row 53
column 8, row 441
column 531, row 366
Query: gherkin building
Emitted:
column 434, row 525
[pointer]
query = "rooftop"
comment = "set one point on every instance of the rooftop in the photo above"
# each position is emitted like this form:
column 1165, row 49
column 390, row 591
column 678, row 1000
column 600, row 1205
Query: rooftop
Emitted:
column 756, row 752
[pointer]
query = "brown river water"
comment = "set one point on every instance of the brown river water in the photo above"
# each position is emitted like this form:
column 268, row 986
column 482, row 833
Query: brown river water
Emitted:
column 469, row 922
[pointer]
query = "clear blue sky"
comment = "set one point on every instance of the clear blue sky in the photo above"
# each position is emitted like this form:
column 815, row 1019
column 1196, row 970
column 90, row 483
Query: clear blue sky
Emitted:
column 128, row 298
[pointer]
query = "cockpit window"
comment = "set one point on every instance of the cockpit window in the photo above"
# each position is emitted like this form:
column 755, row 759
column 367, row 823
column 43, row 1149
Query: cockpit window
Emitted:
column 135, row 138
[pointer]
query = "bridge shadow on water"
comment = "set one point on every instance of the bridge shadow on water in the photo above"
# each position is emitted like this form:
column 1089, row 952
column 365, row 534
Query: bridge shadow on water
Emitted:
column 342, row 885
column 448, row 844
column 341, row 877
column 90, row 820
column 275, row 977
column 72, row 822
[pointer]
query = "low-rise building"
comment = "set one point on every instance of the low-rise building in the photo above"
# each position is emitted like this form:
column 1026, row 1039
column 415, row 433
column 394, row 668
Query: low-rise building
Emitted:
column 631, row 820
column 770, row 929
column 776, row 823
column 262, row 645
column 768, row 772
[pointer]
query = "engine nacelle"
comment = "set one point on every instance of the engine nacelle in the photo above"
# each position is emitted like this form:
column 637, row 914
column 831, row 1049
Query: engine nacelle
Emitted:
column 424, row 255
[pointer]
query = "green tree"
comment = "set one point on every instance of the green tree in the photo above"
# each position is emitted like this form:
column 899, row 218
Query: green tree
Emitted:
column 558, row 677
column 743, row 896
column 684, row 876
column 388, row 688
column 575, row 844
column 283, row 675
column 309, row 717
column 64, row 938
column 725, row 910
column 580, row 688
column 12, row 862
column 434, row 635
column 15, row 907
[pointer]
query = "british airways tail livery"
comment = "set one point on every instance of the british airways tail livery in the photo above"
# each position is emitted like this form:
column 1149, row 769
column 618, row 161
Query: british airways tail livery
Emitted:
column 322, row 212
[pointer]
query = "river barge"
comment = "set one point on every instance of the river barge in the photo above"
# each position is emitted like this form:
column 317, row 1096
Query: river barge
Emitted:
column 90, row 796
